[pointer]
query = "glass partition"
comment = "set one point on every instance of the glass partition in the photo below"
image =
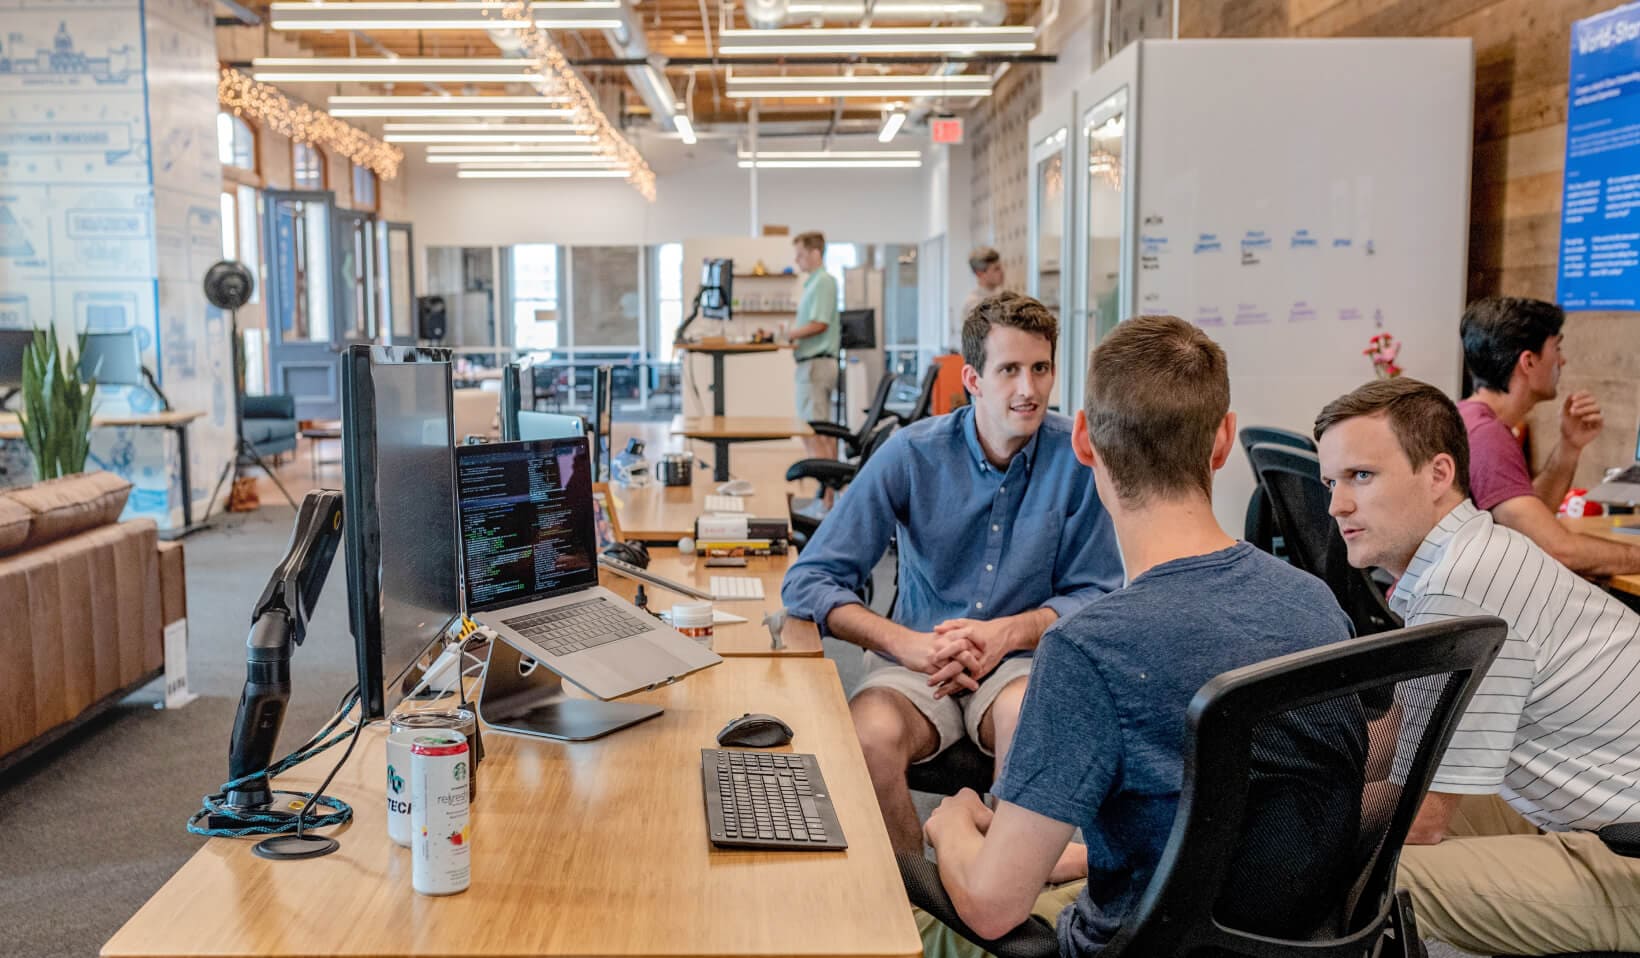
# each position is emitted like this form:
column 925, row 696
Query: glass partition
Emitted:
column 1104, row 131
column 606, row 295
column 1050, row 218
column 465, row 276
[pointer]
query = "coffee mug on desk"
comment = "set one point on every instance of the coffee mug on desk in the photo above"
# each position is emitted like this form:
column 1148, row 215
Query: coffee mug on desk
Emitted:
column 675, row 469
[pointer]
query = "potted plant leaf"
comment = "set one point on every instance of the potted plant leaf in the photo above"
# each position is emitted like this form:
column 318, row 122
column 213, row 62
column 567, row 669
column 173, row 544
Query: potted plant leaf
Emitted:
column 56, row 413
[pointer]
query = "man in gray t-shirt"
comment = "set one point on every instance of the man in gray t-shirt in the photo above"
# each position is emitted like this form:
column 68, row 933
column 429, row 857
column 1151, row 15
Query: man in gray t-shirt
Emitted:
column 1101, row 735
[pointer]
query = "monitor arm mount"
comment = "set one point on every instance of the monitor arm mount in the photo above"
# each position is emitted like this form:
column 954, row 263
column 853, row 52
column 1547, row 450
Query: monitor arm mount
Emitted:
column 280, row 621
column 694, row 311
column 153, row 384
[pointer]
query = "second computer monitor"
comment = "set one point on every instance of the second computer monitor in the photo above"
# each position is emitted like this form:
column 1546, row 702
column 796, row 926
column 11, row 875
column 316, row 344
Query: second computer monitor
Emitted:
column 717, row 288
column 13, row 344
column 858, row 329
column 114, row 359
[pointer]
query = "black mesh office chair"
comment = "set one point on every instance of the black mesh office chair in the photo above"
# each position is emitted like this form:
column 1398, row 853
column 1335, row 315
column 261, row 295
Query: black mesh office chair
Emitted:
column 925, row 397
column 1259, row 528
column 1292, row 479
column 1224, row 886
column 853, row 441
column 807, row 513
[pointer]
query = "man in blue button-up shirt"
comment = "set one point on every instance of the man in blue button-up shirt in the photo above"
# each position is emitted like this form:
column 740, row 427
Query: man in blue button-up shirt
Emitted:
column 1001, row 533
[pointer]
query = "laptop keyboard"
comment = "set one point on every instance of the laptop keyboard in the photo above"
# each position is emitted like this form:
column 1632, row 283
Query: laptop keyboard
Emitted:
column 577, row 626
column 1629, row 475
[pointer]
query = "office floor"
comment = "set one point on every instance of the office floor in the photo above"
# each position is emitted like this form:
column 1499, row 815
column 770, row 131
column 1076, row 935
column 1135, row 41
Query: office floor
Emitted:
column 92, row 828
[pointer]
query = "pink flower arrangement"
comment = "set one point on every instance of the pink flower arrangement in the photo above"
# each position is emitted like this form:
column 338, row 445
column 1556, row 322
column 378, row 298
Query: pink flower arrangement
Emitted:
column 1382, row 349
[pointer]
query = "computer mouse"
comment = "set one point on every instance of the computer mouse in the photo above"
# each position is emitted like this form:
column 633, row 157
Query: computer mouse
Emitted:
column 755, row 731
column 736, row 487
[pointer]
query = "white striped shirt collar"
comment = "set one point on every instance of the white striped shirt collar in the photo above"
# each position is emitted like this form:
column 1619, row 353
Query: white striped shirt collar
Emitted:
column 1409, row 585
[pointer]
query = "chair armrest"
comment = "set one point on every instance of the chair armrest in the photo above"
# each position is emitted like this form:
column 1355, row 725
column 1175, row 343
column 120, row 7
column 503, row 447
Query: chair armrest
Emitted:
column 823, row 428
column 827, row 472
column 276, row 406
column 1033, row 938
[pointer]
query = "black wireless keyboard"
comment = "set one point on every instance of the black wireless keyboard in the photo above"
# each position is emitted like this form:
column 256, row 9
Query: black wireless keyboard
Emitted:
column 774, row 800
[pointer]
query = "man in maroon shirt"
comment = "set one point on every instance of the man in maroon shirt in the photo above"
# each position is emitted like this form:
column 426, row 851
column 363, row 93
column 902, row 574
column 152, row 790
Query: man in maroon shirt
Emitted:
column 1512, row 349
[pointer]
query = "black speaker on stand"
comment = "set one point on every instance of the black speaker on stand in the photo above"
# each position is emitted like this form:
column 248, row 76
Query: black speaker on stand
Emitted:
column 228, row 285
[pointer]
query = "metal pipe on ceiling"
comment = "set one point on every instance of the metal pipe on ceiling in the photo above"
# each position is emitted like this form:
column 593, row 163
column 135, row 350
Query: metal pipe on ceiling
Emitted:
column 772, row 14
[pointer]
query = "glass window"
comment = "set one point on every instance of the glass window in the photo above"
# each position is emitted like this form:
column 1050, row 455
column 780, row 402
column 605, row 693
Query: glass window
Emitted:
column 250, row 235
column 1104, row 128
column 235, row 142
column 607, row 296
column 533, row 268
column 669, row 298
column 307, row 167
column 838, row 257
column 364, row 189
column 230, row 227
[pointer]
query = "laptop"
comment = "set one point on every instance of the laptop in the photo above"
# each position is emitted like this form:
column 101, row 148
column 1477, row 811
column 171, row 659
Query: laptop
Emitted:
column 1622, row 488
column 530, row 571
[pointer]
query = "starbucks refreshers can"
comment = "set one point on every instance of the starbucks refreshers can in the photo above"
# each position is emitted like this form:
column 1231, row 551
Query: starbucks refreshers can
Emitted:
column 440, row 847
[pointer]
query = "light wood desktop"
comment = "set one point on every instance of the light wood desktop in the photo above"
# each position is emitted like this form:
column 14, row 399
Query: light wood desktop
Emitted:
column 724, row 431
column 665, row 514
column 748, row 638
column 1604, row 527
column 594, row 848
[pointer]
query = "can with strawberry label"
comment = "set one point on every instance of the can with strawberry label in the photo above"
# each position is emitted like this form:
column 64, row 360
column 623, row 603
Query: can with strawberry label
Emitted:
column 440, row 840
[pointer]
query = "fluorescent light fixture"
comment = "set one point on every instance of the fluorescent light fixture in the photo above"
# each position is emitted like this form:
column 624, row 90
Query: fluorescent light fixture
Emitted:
column 393, row 70
column 465, row 107
column 891, row 127
column 762, row 155
column 510, row 149
column 866, row 40
column 584, row 167
column 482, row 138
column 898, row 9
column 499, row 129
column 913, row 85
column 831, row 164
column 685, row 128
column 541, row 174
column 494, row 159
column 443, row 15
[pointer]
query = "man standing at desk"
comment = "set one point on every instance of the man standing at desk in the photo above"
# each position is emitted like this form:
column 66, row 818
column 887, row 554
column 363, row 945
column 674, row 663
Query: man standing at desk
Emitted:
column 1512, row 349
column 988, row 279
column 1000, row 535
column 816, row 336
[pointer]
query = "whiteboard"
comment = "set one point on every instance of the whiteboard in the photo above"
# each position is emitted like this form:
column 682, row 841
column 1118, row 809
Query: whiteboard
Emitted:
column 1311, row 193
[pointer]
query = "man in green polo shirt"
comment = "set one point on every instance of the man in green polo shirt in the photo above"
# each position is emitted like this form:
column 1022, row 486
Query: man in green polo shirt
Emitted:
column 815, row 338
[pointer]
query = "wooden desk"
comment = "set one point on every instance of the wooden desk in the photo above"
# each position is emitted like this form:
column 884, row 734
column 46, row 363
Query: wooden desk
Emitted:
column 1603, row 527
column 747, row 638
column 717, row 350
column 594, row 848
column 175, row 420
column 665, row 514
column 724, row 431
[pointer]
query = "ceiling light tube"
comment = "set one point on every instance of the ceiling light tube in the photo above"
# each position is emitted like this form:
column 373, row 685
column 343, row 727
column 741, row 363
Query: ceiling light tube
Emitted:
column 762, row 155
column 540, row 174
column 465, row 107
column 480, row 138
column 800, row 87
column 499, row 129
column 583, row 168
column 392, row 70
column 867, row 40
column 518, row 148
column 444, row 15
column 891, row 127
column 831, row 164
column 685, row 128
column 567, row 159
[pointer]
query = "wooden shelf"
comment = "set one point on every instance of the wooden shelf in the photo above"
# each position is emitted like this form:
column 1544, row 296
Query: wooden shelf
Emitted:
column 765, row 312
column 765, row 275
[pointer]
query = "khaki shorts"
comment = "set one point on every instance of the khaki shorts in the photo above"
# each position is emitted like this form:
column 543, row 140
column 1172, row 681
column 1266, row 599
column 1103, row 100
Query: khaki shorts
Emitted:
column 954, row 715
column 816, row 378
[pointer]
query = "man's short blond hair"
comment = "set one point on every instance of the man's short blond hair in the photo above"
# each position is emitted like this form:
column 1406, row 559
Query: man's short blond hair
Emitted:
column 982, row 259
column 813, row 239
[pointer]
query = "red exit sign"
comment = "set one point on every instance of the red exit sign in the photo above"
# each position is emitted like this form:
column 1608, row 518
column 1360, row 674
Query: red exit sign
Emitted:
column 946, row 129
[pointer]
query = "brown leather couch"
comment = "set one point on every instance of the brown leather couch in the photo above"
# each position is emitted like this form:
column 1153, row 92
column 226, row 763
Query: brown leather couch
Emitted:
column 79, row 607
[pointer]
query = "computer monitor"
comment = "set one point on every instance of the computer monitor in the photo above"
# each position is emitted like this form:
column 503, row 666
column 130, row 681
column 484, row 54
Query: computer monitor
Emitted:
column 398, row 462
column 603, row 416
column 114, row 359
column 717, row 287
column 548, row 425
column 13, row 343
column 858, row 329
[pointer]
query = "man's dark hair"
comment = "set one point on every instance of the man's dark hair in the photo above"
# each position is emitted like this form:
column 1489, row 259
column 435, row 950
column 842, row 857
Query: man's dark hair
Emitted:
column 1424, row 420
column 1497, row 329
column 1011, row 309
column 813, row 239
column 1157, row 390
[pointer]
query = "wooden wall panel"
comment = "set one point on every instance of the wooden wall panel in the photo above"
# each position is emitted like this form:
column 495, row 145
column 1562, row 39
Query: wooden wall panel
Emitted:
column 1522, row 48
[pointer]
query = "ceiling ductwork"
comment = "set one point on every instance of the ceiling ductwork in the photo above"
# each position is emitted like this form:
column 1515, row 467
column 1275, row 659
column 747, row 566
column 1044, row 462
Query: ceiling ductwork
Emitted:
column 772, row 14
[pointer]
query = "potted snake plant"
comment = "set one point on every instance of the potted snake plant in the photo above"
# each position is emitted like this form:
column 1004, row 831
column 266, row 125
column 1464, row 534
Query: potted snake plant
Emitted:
column 56, row 412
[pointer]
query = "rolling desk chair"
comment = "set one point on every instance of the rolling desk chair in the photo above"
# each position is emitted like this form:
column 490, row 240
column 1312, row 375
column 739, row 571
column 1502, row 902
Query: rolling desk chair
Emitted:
column 805, row 513
column 853, row 441
column 1219, row 888
column 925, row 398
column 1299, row 500
column 1259, row 528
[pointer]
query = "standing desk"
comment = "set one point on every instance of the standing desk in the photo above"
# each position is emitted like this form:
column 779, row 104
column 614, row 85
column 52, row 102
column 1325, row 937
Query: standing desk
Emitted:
column 724, row 431
column 719, row 349
column 748, row 638
column 579, row 849
column 176, row 421
column 1603, row 526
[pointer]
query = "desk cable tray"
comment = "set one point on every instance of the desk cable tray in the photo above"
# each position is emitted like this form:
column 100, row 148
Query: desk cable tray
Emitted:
column 769, row 800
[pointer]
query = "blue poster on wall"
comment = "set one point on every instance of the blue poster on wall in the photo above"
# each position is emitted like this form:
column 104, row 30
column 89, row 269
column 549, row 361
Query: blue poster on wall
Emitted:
column 1600, row 209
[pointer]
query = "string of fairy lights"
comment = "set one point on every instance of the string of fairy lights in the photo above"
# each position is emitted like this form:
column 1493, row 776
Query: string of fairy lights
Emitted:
column 245, row 97
column 560, row 79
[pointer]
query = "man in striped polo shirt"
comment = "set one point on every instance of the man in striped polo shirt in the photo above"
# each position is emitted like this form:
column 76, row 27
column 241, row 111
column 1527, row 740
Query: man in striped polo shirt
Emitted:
column 1551, row 740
